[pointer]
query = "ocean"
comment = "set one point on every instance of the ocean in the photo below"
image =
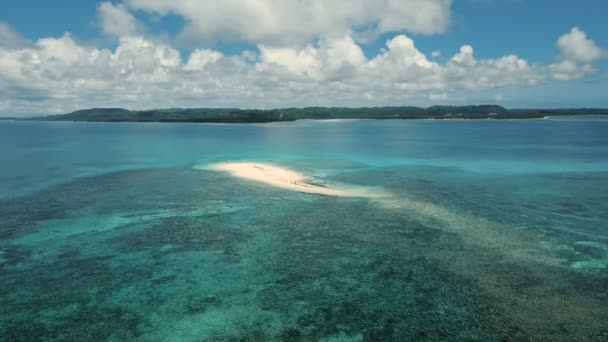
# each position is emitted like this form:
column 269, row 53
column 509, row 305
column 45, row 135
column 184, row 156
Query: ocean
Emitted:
column 495, row 231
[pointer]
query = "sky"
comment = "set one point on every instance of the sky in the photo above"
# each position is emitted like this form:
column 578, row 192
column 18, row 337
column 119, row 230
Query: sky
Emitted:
column 63, row 55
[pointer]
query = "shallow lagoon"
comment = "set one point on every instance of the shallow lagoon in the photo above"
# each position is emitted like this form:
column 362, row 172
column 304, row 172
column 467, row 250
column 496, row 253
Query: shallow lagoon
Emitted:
column 494, row 231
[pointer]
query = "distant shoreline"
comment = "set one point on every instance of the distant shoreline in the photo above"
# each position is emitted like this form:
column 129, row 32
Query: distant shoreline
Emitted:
column 220, row 123
column 233, row 115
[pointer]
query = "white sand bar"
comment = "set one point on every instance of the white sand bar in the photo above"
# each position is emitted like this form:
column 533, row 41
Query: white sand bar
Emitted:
column 277, row 176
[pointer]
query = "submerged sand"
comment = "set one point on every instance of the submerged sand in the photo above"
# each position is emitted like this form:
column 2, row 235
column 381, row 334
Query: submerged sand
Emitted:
column 476, row 230
column 279, row 177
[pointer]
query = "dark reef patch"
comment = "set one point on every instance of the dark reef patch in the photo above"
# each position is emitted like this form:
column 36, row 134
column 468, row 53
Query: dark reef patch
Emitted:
column 375, row 281
column 230, row 260
column 182, row 234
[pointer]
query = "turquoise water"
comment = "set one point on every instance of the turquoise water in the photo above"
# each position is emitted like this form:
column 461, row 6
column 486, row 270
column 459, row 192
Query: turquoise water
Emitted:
column 494, row 230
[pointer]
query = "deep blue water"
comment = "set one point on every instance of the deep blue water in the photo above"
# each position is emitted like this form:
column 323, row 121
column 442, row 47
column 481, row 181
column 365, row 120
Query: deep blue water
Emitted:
column 497, row 230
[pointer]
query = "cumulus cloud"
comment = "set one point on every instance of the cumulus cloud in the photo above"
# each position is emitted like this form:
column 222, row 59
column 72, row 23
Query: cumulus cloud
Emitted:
column 569, row 70
column 332, row 59
column 10, row 38
column 406, row 68
column 116, row 20
column 56, row 75
column 201, row 58
column 576, row 47
column 59, row 75
column 272, row 22
column 468, row 72
column 577, row 55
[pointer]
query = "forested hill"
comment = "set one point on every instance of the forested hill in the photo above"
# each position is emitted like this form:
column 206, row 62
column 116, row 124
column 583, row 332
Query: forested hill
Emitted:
column 233, row 115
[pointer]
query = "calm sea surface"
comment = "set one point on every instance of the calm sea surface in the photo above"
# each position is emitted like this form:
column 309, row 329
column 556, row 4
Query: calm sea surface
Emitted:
column 496, row 230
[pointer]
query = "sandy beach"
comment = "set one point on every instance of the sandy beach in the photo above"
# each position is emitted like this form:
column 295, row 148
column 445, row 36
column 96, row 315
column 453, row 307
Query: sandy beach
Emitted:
column 279, row 177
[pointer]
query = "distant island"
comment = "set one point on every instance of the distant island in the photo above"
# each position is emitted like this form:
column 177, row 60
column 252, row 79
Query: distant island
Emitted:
column 234, row 115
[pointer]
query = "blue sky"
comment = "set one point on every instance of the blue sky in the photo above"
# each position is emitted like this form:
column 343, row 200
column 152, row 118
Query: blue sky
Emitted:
column 162, row 53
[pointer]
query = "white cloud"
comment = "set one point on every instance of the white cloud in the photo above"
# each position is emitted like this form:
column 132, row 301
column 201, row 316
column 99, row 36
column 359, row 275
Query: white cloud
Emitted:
column 202, row 57
column 466, row 71
column 55, row 75
column 436, row 53
column 568, row 70
column 272, row 22
column 10, row 38
column 116, row 20
column 577, row 55
column 576, row 47
column 404, row 67
column 333, row 59
column 60, row 75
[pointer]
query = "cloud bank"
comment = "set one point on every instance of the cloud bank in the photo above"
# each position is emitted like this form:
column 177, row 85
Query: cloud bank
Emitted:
column 313, row 58
column 297, row 21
